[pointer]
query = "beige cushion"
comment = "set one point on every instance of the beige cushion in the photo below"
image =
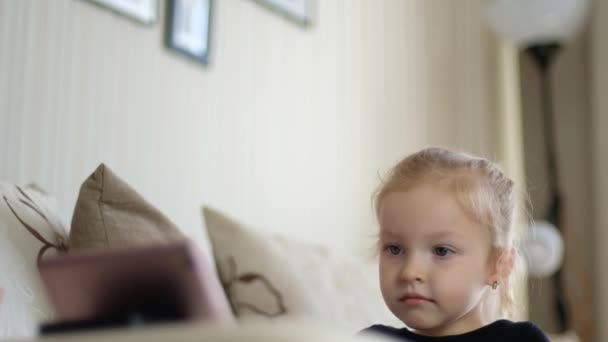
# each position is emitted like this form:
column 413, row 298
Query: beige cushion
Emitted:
column 30, row 229
column 110, row 214
column 271, row 277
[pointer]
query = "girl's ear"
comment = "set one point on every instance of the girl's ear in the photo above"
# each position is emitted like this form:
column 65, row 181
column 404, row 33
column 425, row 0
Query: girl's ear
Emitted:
column 503, row 266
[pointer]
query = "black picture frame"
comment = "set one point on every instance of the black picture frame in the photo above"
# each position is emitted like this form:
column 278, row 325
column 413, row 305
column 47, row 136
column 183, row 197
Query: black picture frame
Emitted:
column 188, row 28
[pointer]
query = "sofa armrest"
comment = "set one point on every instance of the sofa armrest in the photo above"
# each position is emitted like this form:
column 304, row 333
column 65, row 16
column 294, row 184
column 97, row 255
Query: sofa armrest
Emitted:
column 225, row 333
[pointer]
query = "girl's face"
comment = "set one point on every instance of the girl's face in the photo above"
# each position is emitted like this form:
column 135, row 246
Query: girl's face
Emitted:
column 434, row 261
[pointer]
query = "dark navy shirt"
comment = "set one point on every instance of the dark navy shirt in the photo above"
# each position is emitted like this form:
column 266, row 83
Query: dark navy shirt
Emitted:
column 501, row 330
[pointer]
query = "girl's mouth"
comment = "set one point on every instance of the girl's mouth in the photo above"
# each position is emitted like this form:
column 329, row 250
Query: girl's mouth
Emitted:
column 415, row 299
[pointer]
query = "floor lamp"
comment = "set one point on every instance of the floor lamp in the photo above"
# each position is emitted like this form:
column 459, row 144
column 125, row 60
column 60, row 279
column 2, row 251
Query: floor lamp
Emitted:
column 541, row 28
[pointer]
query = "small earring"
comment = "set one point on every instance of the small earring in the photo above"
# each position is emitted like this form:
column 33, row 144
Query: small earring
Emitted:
column 495, row 285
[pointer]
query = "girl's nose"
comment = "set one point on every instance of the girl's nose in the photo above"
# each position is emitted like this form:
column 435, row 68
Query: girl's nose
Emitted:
column 413, row 270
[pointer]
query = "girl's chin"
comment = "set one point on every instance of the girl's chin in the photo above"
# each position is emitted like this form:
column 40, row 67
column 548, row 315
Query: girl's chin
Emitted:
column 423, row 324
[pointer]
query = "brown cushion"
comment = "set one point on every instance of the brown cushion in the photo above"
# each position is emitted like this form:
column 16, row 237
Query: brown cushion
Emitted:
column 110, row 214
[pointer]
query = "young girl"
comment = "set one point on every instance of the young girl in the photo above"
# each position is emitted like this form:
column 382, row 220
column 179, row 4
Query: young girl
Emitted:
column 446, row 252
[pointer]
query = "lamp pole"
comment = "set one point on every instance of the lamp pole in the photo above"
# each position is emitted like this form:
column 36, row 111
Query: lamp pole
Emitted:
column 544, row 55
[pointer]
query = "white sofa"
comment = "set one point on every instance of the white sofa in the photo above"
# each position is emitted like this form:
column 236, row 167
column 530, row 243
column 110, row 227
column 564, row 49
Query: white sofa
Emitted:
column 314, row 283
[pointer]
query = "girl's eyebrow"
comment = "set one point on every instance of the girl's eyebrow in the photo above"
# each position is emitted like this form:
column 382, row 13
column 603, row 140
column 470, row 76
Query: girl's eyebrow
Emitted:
column 388, row 233
column 446, row 234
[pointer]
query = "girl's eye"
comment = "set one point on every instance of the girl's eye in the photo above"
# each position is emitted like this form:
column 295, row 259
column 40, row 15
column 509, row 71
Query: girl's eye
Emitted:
column 394, row 249
column 442, row 251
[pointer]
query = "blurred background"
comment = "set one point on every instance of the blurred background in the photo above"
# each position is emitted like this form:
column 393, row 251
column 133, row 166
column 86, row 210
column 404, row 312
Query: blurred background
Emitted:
column 287, row 117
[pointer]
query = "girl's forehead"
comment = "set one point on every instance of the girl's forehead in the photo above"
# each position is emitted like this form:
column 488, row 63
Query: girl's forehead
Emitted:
column 429, row 198
column 429, row 210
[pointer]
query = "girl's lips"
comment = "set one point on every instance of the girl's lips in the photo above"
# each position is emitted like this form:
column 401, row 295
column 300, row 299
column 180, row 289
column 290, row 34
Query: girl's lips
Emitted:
column 414, row 299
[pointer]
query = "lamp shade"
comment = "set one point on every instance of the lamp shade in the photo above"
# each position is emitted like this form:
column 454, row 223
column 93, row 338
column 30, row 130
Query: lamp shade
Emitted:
column 532, row 22
column 543, row 249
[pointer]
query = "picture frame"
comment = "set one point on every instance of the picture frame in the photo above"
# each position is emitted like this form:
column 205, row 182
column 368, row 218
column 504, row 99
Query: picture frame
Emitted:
column 299, row 11
column 143, row 11
column 188, row 30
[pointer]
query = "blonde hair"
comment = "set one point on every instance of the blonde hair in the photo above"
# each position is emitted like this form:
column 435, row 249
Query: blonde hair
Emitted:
column 480, row 187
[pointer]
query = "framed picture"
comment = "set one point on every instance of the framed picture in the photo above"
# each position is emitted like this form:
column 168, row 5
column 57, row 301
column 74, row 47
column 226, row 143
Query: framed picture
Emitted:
column 189, row 28
column 300, row 11
column 144, row 11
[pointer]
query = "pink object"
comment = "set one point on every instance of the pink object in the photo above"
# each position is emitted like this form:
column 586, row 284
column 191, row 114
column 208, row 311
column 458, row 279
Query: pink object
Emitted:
column 173, row 281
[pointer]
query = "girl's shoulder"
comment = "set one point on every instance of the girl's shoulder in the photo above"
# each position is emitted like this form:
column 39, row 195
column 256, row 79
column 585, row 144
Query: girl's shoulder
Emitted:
column 533, row 330
column 523, row 329
column 501, row 330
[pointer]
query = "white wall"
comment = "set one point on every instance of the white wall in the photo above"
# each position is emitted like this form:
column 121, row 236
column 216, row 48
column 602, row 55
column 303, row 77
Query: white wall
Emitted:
column 285, row 130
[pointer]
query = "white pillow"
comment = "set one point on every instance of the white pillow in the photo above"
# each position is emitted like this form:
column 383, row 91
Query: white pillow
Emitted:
column 268, row 276
column 29, row 227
